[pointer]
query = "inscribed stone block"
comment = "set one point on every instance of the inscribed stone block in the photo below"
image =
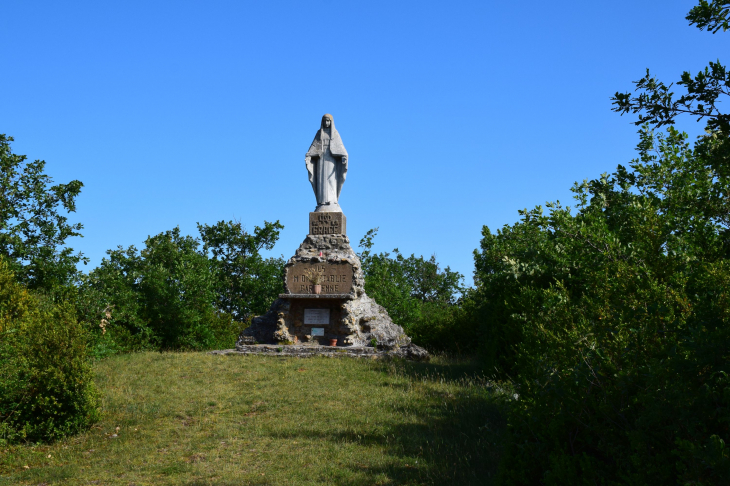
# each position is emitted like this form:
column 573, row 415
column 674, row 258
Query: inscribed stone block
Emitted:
column 327, row 224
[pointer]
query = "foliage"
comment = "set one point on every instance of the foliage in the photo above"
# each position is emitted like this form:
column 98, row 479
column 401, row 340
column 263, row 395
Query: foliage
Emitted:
column 656, row 104
column 33, row 232
column 417, row 294
column 247, row 283
column 178, row 290
column 613, row 324
column 46, row 388
column 712, row 15
column 159, row 297
column 171, row 295
column 613, row 319
column 111, row 304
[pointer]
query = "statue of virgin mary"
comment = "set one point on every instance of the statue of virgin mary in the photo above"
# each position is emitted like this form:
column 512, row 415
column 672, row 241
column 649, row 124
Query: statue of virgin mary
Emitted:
column 326, row 163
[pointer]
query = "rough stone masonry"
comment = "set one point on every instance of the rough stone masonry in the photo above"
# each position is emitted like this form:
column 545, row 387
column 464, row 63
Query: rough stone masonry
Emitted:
column 324, row 297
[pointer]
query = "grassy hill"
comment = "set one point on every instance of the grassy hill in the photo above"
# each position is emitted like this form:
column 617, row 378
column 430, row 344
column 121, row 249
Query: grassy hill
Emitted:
column 198, row 419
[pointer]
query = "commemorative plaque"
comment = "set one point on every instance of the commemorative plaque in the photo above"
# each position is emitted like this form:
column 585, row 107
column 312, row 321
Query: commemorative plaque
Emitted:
column 335, row 278
column 317, row 316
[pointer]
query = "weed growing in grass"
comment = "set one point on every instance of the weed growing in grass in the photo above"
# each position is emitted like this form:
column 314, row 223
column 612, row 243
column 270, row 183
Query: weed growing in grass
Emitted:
column 192, row 418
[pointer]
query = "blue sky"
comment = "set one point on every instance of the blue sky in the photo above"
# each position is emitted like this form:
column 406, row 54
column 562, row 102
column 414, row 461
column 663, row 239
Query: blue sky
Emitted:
column 455, row 114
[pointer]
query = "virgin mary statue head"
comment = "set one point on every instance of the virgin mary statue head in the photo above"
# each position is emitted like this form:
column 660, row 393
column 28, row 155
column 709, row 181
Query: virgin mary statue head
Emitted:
column 328, row 121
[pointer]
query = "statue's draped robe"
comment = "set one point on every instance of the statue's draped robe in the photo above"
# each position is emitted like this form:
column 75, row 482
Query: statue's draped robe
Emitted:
column 326, row 171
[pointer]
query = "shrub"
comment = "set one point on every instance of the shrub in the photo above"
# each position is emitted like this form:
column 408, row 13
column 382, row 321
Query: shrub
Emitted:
column 110, row 306
column 172, row 295
column 614, row 323
column 419, row 296
column 46, row 388
column 160, row 297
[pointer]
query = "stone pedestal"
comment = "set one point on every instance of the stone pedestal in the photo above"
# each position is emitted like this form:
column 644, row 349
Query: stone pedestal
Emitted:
column 342, row 311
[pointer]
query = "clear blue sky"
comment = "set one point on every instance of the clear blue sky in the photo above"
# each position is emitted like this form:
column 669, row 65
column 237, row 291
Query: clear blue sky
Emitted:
column 455, row 114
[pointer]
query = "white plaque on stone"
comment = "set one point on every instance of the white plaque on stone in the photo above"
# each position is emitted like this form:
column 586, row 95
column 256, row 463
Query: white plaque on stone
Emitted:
column 316, row 316
column 318, row 331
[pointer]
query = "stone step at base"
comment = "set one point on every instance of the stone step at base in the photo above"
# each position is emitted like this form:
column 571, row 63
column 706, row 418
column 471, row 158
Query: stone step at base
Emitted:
column 411, row 352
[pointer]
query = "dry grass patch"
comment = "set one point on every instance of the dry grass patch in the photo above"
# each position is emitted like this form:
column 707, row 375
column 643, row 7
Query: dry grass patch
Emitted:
column 198, row 419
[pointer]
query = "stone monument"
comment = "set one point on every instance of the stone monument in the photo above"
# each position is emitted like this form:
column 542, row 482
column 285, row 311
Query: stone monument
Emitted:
column 324, row 300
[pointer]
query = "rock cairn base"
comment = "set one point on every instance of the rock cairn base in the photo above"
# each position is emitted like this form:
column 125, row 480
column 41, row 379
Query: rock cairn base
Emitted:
column 360, row 325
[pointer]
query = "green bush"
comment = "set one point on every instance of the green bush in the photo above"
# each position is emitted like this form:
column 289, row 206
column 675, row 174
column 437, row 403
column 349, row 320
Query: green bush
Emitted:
column 157, row 298
column 174, row 295
column 613, row 321
column 419, row 296
column 46, row 388
column 110, row 306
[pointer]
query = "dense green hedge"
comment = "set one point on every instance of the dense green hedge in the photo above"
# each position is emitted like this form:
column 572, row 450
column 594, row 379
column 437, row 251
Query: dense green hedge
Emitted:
column 46, row 388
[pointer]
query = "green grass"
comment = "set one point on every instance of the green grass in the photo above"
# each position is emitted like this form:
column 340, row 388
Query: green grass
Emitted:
column 198, row 419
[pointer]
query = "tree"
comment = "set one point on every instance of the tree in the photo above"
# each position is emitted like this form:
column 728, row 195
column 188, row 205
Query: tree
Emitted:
column 160, row 297
column 110, row 302
column 173, row 294
column 178, row 286
column 612, row 319
column 416, row 292
column 656, row 104
column 421, row 279
column 711, row 15
column 247, row 283
column 33, row 230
